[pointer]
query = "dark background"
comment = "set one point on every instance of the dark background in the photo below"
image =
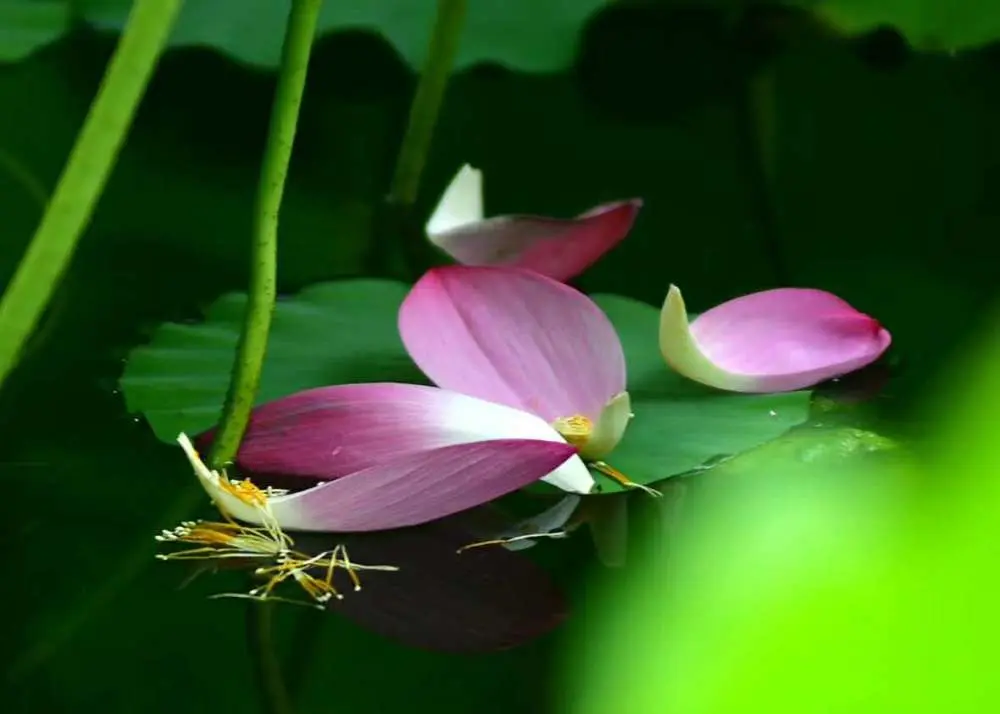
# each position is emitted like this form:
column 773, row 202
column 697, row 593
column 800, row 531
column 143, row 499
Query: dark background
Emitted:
column 768, row 152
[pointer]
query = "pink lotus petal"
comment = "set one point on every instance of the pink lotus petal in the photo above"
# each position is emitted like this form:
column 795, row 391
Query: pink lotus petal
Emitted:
column 514, row 337
column 422, row 487
column 330, row 432
column 770, row 341
column 558, row 248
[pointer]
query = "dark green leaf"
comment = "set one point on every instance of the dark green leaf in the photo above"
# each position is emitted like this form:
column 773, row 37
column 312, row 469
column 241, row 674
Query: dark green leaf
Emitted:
column 927, row 24
column 26, row 25
column 331, row 333
column 529, row 35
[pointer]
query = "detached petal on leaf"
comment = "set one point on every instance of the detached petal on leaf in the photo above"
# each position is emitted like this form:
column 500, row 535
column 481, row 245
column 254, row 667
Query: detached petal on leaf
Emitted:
column 558, row 248
column 771, row 341
column 332, row 432
column 421, row 488
column 513, row 337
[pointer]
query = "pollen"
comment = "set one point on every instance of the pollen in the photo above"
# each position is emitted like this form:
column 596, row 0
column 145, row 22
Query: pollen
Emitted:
column 249, row 493
column 576, row 429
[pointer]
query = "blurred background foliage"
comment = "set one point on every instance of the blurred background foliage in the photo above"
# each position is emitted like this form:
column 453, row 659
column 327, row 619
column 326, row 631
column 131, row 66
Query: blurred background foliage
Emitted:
column 812, row 146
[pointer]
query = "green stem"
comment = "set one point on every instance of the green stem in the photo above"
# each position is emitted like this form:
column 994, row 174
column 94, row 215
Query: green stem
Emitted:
column 397, row 248
column 252, row 345
column 260, row 638
column 90, row 162
column 427, row 102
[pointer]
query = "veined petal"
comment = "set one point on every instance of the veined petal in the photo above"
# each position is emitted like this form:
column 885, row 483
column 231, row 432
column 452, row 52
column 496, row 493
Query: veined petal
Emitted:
column 770, row 341
column 330, row 432
column 421, row 488
column 514, row 337
column 461, row 204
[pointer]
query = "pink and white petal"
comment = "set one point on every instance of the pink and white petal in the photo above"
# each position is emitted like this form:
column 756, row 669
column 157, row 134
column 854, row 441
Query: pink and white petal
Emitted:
column 330, row 432
column 460, row 204
column 558, row 248
column 514, row 337
column 770, row 341
column 421, row 488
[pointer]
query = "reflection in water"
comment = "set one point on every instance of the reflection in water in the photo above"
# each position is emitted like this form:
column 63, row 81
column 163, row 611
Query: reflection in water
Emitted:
column 478, row 600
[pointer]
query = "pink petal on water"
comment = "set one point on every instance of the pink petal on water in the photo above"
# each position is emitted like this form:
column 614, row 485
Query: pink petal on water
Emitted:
column 330, row 432
column 558, row 248
column 514, row 337
column 421, row 487
column 770, row 341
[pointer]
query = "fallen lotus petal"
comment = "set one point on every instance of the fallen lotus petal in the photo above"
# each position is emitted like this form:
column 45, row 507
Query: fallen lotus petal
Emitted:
column 408, row 490
column 558, row 248
column 333, row 432
column 518, row 338
column 771, row 341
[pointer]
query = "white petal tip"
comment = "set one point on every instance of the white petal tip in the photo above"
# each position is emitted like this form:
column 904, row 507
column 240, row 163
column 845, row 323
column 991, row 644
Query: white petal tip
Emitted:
column 460, row 204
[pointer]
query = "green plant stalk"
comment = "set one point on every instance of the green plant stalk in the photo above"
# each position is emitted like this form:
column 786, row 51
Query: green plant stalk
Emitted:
column 427, row 102
column 259, row 638
column 85, row 175
column 252, row 346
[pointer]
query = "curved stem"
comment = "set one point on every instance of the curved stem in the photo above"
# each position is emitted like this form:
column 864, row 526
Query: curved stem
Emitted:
column 85, row 175
column 397, row 247
column 427, row 102
column 252, row 346
column 261, row 642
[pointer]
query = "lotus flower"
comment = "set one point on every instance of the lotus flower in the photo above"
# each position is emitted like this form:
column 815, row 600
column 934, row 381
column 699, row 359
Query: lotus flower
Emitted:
column 771, row 341
column 517, row 338
column 389, row 455
column 558, row 248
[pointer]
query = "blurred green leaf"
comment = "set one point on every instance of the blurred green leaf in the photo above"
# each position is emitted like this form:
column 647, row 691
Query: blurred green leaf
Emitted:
column 524, row 34
column 829, row 589
column 680, row 425
column 938, row 25
column 26, row 25
column 331, row 333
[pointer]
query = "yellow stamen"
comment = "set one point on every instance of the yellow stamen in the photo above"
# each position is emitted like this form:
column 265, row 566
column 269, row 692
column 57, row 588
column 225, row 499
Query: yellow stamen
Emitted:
column 617, row 476
column 232, row 540
column 297, row 565
column 576, row 429
column 223, row 540
column 247, row 492
column 268, row 541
